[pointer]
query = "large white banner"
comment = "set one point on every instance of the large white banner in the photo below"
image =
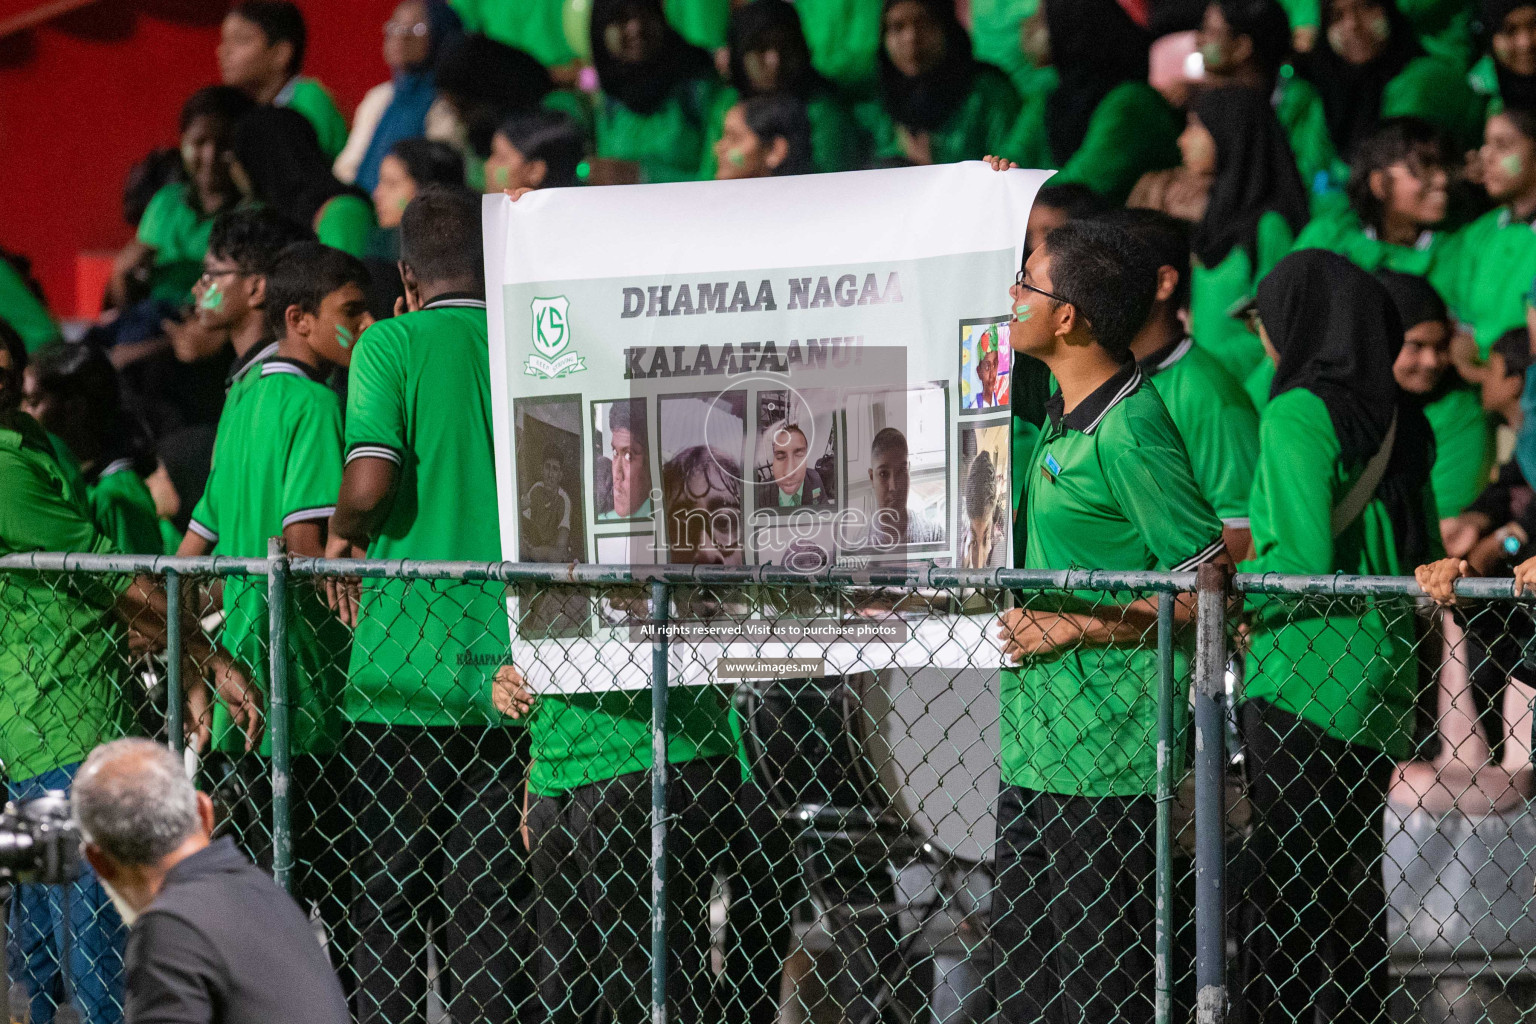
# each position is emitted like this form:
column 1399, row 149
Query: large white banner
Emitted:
column 795, row 371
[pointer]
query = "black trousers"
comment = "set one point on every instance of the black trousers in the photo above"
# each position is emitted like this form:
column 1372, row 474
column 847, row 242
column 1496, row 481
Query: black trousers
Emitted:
column 1073, row 921
column 436, row 853
column 591, row 859
column 1314, row 937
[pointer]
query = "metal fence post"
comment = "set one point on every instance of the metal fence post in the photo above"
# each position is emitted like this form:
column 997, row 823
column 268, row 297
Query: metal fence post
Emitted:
column 1210, row 795
column 173, row 699
column 1165, row 746
column 660, row 599
column 277, row 719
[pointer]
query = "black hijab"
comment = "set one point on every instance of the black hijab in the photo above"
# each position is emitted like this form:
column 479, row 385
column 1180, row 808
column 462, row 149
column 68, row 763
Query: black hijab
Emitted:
column 764, row 23
column 925, row 101
column 280, row 153
column 1417, row 302
column 1095, row 46
column 643, row 86
column 1255, row 173
column 1337, row 333
column 1351, row 93
column 1518, row 91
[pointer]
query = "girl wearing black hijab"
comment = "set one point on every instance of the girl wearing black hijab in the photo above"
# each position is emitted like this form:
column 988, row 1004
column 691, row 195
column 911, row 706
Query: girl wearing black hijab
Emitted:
column 1368, row 65
column 1256, row 205
column 938, row 104
column 769, row 55
column 1101, row 123
column 656, row 96
column 1506, row 75
column 1328, row 707
column 276, row 160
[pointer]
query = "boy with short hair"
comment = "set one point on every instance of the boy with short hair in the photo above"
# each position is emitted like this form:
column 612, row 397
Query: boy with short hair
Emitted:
column 277, row 463
column 261, row 51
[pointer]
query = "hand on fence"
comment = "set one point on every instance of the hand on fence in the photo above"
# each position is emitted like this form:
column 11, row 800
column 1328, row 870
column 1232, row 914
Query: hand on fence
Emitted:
column 341, row 592
column 1525, row 576
column 510, row 693
column 197, row 722
column 242, row 699
column 1438, row 579
column 1025, row 633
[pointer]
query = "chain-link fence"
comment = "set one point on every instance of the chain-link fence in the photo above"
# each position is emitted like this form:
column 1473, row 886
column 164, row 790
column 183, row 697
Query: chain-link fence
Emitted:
column 1259, row 798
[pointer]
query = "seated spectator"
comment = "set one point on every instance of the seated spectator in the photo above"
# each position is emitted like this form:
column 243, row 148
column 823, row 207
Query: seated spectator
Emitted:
column 656, row 95
column 1100, row 123
column 768, row 54
column 1247, row 43
column 1506, row 74
column 1368, row 66
column 261, row 52
column 407, row 106
column 72, row 390
column 765, row 136
column 938, row 104
column 276, row 155
column 21, row 302
column 539, row 149
column 1256, row 206
column 167, row 254
column 410, row 166
column 1508, row 360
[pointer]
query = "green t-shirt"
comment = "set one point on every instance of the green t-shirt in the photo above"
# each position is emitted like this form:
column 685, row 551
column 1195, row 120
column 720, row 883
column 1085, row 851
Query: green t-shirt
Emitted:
column 124, row 510
column 1299, row 109
column 22, row 309
column 1347, row 665
column 667, row 143
column 346, row 222
column 419, row 395
column 844, row 39
column 1133, row 130
column 310, row 98
column 1216, row 421
column 578, row 739
column 1342, row 232
column 277, row 461
column 837, row 142
column 1109, row 487
column 179, row 235
column 535, row 26
column 1437, row 91
column 1464, row 449
column 1484, row 80
column 62, row 657
column 1215, row 290
column 995, row 33
column 980, row 125
column 701, row 22
column 1484, row 273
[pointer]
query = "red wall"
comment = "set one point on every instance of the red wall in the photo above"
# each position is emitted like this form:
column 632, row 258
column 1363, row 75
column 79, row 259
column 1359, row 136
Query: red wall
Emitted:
column 86, row 95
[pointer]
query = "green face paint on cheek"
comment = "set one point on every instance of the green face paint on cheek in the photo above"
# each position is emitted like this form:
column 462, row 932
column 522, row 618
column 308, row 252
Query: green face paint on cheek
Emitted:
column 213, row 298
column 501, row 176
column 344, row 337
column 1512, row 165
column 1021, row 312
column 737, row 158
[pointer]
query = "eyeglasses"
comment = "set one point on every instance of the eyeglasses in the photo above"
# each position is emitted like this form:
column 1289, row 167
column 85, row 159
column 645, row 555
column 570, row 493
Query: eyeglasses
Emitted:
column 1019, row 282
column 207, row 277
column 400, row 28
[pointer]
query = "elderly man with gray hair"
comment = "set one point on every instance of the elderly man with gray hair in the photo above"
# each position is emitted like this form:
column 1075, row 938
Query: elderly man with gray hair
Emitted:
column 213, row 939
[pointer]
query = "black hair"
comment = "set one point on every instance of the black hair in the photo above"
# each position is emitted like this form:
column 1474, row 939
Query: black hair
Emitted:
column 552, row 454
column 1515, row 346
column 1076, row 201
column 629, row 414
column 160, row 168
column 1523, row 119
column 280, row 153
column 252, row 238
column 1267, row 25
column 430, row 162
column 888, row 439
column 303, row 275
column 1396, row 140
column 981, row 487
column 440, row 237
column 1109, row 275
column 1166, row 236
column 717, row 466
column 83, row 375
column 782, row 116
column 281, row 22
column 487, row 81
column 223, row 103
column 551, row 136
column 10, row 378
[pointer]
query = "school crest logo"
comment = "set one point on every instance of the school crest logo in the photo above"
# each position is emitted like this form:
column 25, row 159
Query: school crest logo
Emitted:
column 553, row 356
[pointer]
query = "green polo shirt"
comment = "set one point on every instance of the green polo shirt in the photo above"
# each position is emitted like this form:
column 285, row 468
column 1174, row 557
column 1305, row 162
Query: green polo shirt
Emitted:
column 1484, row 272
column 310, row 98
column 1347, row 665
column 535, row 26
column 837, row 141
column 980, row 125
column 419, row 395
column 62, row 657
column 844, row 39
column 1215, row 290
column 125, row 510
column 1109, row 487
column 1464, row 449
column 667, row 143
column 277, row 461
column 1217, row 422
column 1342, row 232
column 23, row 310
column 179, row 235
